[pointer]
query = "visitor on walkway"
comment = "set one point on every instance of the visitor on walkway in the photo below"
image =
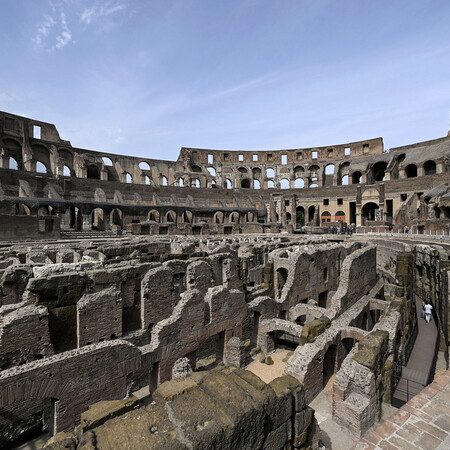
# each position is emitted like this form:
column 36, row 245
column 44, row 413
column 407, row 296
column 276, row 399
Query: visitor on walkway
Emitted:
column 428, row 309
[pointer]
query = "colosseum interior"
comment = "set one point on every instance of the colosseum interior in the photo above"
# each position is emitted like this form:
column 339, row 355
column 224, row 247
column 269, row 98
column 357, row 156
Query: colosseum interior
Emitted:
column 226, row 300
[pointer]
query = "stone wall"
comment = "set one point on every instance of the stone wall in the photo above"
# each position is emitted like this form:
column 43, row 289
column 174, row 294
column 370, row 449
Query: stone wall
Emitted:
column 221, row 409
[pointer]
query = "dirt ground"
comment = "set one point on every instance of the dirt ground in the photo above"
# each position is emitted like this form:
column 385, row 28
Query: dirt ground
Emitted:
column 266, row 372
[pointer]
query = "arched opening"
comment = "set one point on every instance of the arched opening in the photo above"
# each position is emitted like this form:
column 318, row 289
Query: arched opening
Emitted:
column 242, row 170
column 107, row 161
column 245, row 184
column 288, row 218
column 67, row 171
column 299, row 183
column 170, row 217
column 195, row 183
column 43, row 211
column 234, row 217
column 284, row 183
column 180, row 182
column 270, row 184
column 98, row 219
column 281, row 278
column 41, row 167
column 429, row 168
column 339, row 216
column 218, row 217
column 164, row 181
column 147, row 180
column 154, row 216
column 93, row 172
column 256, row 173
column 313, row 185
column 300, row 216
column 311, row 213
column 411, row 171
column 298, row 171
column 187, row 217
column 196, row 169
column 270, row 173
column 329, row 363
column 346, row 347
column 325, row 217
column 143, row 165
column 345, row 180
column 356, row 178
column 211, row 171
column 329, row 169
column 369, row 211
column 116, row 217
column 13, row 164
column 128, row 178
column 228, row 183
column 378, row 171
column 22, row 210
column 256, row 184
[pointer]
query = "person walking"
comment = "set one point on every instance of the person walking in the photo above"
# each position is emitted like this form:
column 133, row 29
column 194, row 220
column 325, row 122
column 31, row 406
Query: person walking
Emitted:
column 428, row 308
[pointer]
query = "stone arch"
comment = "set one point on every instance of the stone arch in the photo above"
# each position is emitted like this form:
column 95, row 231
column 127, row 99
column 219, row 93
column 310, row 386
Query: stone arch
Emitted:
column 196, row 169
column 356, row 177
column 164, row 181
column 170, row 217
column 339, row 216
column 154, row 216
column 187, row 217
column 107, row 161
column 128, row 178
column 234, row 217
column 281, row 276
column 218, row 217
column 378, row 171
column 245, row 183
column 325, row 217
column 144, row 165
column 41, row 167
column 429, row 167
column 368, row 210
column 344, row 180
column 22, row 209
column 98, row 219
column 270, row 184
column 195, row 183
column 256, row 184
column 299, row 171
column 299, row 216
column 41, row 154
column 116, row 217
column 211, row 171
column 180, row 182
column 256, row 171
column 411, row 171
column 284, row 183
column 13, row 150
column 228, row 183
column 299, row 183
column 270, row 173
column 242, row 169
column 311, row 213
column 93, row 171
column 329, row 169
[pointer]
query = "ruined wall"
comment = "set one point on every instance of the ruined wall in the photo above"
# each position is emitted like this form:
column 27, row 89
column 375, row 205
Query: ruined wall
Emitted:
column 71, row 382
column 221, row 409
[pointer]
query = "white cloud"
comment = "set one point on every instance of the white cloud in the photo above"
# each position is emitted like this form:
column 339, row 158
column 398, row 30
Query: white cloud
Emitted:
column 65, row 37
column 97, row 11
column 43, row 29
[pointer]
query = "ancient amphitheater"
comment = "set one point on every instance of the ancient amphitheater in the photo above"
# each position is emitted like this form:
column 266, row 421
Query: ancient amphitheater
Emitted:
column 226, row 300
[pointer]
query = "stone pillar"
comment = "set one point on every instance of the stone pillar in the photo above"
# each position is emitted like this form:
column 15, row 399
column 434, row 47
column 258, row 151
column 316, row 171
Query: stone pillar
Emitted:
column 234, row 354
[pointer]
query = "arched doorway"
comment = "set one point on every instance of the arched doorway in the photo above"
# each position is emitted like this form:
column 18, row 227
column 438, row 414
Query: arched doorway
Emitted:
column 369, row 211
column 329, row 363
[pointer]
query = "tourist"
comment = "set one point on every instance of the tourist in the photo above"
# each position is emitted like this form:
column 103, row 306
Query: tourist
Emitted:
column 428, row 309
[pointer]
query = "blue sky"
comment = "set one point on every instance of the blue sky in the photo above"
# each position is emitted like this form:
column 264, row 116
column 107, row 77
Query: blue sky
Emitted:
column 144, row 77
